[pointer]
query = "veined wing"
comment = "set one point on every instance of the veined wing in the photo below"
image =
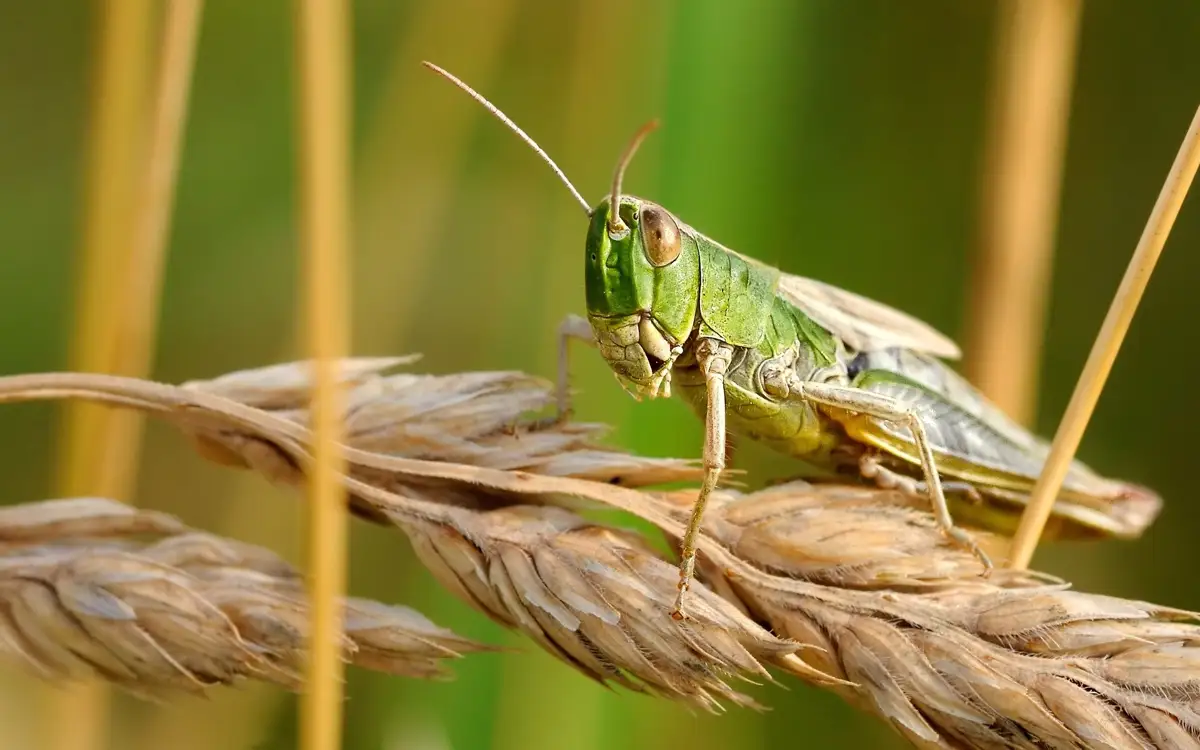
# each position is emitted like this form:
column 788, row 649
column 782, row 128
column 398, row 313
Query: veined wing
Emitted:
column 938, row 377
column 998, row 457
column 955, row 433
column 862, row 323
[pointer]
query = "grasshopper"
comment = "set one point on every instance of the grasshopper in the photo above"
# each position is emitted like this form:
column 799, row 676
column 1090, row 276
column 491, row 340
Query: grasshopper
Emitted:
column 810, row 370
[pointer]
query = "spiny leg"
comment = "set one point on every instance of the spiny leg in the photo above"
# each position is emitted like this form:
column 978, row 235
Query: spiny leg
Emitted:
column 891, row 410
column 713, row 358
column 731, row 448
column 572, row 327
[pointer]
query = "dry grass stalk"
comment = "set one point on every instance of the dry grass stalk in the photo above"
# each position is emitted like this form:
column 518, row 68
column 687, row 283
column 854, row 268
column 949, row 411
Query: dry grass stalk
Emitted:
column 136, row 330
column 1107, row 344
column 322, row 42
column 851, row 588
column 1030, row 93
column 90, row 587
column 95, row 454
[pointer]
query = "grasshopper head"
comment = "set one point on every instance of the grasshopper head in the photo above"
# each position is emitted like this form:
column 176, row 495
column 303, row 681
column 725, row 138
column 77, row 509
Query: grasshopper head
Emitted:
column 642, row 279
column 643, row 271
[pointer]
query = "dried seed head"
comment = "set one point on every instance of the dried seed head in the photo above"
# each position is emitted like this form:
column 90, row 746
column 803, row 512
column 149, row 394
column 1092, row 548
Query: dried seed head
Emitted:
column 196, row 551
column 944, row 655
column 598, row 599
column 76, row 520
column 399, row 640
column 157, row 630
column 181, row 613
column 848, row 537
column 289, row 385
column 475, row 418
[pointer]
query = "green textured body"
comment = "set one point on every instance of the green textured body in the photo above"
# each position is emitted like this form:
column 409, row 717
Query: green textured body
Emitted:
column 711, row 292
column 792, row 427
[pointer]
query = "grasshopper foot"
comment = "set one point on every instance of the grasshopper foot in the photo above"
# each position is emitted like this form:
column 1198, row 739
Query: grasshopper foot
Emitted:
column 964, row 540
column 677, row 610
column 885, row 478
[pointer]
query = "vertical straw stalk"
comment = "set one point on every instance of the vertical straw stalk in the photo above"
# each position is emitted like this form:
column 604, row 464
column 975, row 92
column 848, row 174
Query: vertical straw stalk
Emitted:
column 137, row 330
column 129, row 199
column 1026, row 141
column 1107, row 344
column 323, row 112
column 113, row 136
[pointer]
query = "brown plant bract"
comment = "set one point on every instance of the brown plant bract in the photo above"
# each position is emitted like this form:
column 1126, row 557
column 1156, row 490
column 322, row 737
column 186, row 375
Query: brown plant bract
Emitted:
column 468, row 418
column 92, row 587
column 595, row 597
column 859, row 590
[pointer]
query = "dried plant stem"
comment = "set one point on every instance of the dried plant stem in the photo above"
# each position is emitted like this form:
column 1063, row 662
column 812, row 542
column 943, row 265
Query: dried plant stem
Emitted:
column 77, row 718
column 147, row 260
column 112, row 173
column 1031, row 94
column 142, row 281
column 1108, row 342
column 322, row 42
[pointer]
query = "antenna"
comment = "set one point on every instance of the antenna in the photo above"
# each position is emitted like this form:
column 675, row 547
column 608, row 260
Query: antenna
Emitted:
column 615, row 225
column 513, row 126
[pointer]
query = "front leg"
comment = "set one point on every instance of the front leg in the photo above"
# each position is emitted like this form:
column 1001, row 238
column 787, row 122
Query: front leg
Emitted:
column 713, row 357
column 572, row 327
column 891, row 410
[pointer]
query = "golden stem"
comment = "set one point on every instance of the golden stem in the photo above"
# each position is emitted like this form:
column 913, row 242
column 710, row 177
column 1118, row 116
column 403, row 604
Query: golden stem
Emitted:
column 1034, row 69
column 137, row 329
column 322, row 46
column 1107, row 344
column 77, row 718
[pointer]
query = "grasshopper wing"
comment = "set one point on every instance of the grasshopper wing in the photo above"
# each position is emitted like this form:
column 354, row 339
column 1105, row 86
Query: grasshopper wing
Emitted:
column 863, row 324
column 975, row 442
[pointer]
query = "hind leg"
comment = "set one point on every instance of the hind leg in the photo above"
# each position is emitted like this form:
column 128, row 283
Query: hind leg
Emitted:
column 872, row 468
column 871, row 404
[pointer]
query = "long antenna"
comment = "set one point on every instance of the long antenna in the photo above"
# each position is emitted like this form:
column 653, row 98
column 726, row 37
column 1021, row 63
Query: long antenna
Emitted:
column 512, row 126
column 615, row 225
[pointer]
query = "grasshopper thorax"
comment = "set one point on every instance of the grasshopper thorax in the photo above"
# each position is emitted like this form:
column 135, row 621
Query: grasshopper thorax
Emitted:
column 642, row 276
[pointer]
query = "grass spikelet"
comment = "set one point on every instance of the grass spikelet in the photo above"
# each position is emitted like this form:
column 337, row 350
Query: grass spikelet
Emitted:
column 94, row 588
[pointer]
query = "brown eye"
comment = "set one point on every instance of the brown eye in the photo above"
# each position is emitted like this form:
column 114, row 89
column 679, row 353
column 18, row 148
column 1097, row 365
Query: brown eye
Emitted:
column 660, row 234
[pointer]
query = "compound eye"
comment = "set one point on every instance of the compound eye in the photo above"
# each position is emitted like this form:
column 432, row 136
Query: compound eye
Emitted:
column 660, row 235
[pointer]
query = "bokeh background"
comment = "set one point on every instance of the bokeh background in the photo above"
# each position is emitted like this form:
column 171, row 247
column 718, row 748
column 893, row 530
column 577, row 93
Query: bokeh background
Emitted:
column 839, row 140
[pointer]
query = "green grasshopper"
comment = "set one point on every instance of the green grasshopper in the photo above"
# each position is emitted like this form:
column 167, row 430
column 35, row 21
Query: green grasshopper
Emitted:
column 815, row 372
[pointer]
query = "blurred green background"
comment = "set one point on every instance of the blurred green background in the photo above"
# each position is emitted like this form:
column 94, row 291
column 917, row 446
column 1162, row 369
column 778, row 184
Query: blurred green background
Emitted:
column 839, row 140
